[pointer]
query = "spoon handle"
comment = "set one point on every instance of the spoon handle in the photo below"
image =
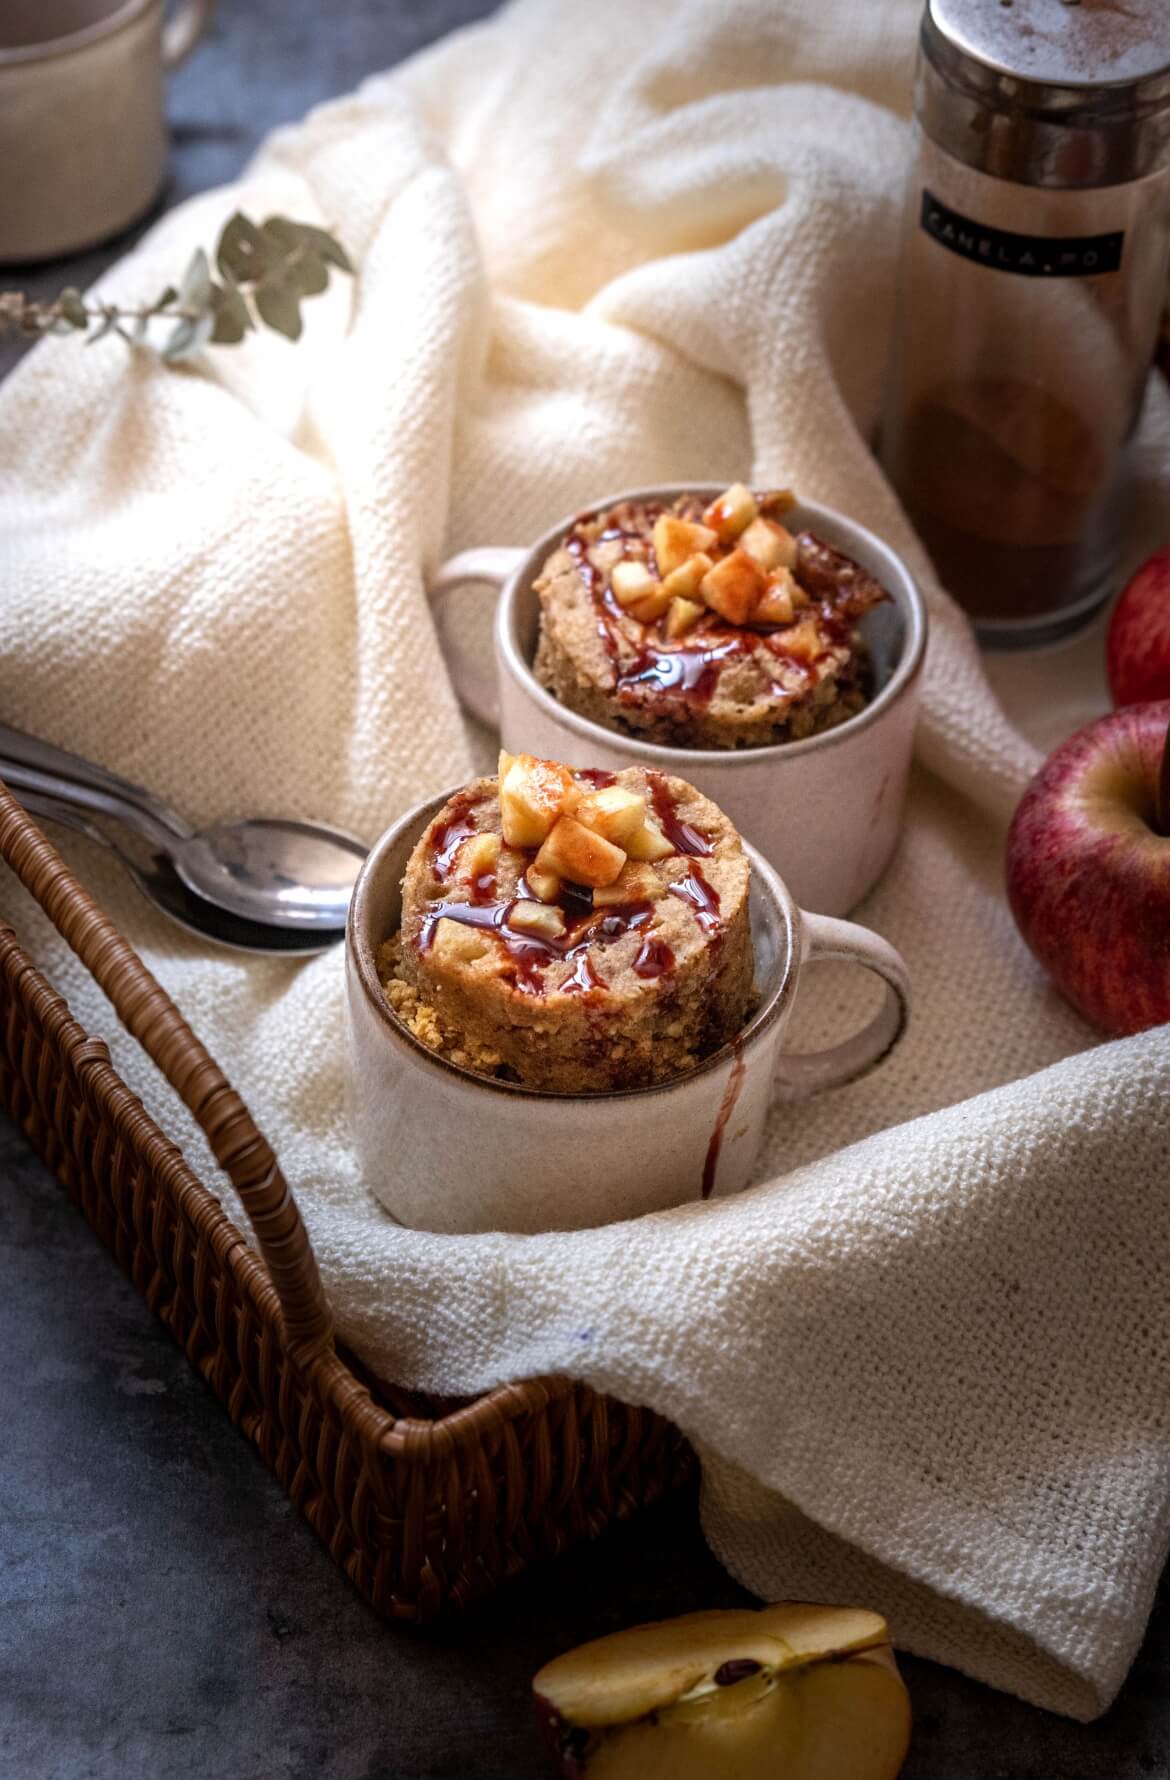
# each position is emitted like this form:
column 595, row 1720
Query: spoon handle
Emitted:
column 21, row 750
column 85, row 797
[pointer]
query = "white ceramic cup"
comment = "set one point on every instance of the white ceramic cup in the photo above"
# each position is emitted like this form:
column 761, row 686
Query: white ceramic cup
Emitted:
column 83, row 143
column 826, row 811
column 444, row 1149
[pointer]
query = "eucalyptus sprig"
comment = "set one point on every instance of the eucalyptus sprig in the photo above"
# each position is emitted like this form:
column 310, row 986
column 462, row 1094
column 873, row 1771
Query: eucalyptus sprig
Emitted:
column 265, row 272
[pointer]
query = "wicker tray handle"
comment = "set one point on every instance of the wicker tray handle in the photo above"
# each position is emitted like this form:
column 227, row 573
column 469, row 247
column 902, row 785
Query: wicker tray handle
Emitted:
column 151, row 1017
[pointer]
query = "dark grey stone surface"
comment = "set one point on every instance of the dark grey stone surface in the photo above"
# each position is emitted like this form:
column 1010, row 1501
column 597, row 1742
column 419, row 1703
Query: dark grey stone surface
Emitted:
column 163, row 1610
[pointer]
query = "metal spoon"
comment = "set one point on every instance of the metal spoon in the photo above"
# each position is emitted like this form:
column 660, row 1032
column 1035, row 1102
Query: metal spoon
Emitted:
column 289, row 874
column 160, row 884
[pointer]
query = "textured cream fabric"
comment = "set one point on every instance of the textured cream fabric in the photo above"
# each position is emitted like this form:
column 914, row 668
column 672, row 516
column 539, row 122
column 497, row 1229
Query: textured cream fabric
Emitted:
column 928, row 1362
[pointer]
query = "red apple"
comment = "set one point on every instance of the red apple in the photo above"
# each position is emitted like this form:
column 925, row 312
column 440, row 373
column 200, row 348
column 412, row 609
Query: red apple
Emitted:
column 1088, row 868
column 1137, row 651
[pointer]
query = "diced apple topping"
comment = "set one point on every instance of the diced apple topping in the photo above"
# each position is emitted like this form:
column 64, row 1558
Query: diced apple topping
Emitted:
column 649, row 610
column 733, row 587
column 580, row 854
column 533, row 793
column 635, row 882
column 732, row 513
column 479, row 854
column 683, row 615
column 769, row 544
column 804, row 639
column 538, row 919
column 683, row 582
column 456, row 944
column 543, row 884
column 649, row 843
column 677, row 539
column 631, row 582
column 776, row 604
column 614, row 812
column 776, row 501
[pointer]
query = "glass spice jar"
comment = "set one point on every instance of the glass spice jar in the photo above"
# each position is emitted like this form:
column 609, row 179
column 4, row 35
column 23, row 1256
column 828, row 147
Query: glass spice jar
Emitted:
column 1034, row 260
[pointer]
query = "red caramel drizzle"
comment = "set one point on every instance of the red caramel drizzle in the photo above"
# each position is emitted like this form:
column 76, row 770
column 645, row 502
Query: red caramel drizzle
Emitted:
column 449, row 836
column 689, row 672
column 654, row 958
column 702, row 897
column 682, row 837
column 730, row 1095
column 531, row 953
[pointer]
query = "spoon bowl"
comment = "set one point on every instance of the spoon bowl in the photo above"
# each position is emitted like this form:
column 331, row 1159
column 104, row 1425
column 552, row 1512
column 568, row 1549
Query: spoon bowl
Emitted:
column 285, row 874
column 161, row 885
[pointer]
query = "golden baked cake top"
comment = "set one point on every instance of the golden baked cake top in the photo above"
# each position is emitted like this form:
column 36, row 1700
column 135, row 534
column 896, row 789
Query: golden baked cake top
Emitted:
column 718, row 611
column 539, row 876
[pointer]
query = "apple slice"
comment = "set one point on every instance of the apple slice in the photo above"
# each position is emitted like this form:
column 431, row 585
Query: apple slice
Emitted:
column 788, row 1693
column 575, row 852
column 631, row 582
column 772, row 546
column 543, row 884
column 478, row 855
column 533, row 793
column 732, row 513
column 614, row 812
column 536, row 918
column 653, row 606
column 677, row 539
column 776, row 604
column 634, row 883
column 734, row 587
column 649, row 843
column 682, row 616
column 455, row 943
column 683, row 582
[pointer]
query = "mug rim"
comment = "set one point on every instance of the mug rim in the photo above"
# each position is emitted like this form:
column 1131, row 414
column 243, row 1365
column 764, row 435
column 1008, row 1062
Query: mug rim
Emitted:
column 359, row 952
column 50, row 47
column 907, row 596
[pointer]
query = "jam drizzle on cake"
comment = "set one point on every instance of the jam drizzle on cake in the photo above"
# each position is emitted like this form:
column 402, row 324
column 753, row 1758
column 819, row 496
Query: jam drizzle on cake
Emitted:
column 551, row 919
column 818, row 595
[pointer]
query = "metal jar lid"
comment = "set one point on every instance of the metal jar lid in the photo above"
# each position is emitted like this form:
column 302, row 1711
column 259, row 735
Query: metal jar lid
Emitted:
column 1061, row 93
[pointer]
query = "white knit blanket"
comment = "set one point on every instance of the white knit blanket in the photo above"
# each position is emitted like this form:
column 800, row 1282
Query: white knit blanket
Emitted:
column 927, row 1360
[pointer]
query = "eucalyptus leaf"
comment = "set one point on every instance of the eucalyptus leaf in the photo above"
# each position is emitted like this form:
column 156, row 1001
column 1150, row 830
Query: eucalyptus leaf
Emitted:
column 187, row 336
column 170, row 295
column 195, row 285
column 232, row 318
column 72, row 308
column 107, row 325
column 244, row 252
column 306, row 273
column 279, row 306
column 138, row 331
column 287, row 233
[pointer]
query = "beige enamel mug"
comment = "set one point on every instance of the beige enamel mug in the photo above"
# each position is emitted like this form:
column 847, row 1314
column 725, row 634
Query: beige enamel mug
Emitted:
column 83, row 143
column 826, row 811
column 444, row 1149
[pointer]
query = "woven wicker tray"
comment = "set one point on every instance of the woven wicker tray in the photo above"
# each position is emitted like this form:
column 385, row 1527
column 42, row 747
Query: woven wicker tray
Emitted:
column 424, row 1503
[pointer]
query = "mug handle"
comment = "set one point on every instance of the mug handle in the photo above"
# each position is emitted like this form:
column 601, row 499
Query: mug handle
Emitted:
column 825, row 937
column 474, row 679
column 183, row 30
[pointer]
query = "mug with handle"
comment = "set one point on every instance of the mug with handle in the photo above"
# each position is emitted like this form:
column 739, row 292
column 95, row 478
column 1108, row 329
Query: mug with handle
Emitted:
column 446, row 1149
column 826, row 811
column 83, row 141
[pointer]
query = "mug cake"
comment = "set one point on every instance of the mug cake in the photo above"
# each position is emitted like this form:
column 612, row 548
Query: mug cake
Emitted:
column 704, row 625
column 573, row 931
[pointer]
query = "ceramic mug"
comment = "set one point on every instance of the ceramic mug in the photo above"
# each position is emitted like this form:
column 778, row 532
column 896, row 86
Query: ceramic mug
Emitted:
column 83, row 143
column 445, row 1149
column 826, row 811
